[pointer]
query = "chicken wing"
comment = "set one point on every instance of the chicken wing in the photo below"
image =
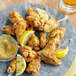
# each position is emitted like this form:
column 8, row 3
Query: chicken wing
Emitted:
column 49, row 57
column 60, row 32
column 33, row 67
column 12, row 67
column 34, row 42
column 42, row 40
column 27, row 53
column 50, row 25
column 47, row 53
column 19, row 29
column 8, row 29
column 33, row 18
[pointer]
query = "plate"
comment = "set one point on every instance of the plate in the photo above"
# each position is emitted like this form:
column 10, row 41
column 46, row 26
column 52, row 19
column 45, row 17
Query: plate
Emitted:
column 69, row 40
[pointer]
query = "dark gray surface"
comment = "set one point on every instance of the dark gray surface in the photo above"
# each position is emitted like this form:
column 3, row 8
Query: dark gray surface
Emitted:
column 46, row 69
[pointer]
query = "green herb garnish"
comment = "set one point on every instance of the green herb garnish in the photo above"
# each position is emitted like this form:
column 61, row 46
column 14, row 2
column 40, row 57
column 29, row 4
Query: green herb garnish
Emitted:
column 44, row 8
column 18, row 61
column 69, row 40
column 43, row 53
column 22, row 65
column 41, row 27
column 41, row 18
column 50, row 38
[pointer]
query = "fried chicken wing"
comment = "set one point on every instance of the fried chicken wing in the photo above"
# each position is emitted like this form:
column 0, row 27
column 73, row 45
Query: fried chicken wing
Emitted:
column 53, row 44
column 34, row 42
column 49, row 57
column 60, row 32
column 33, row 67
column 33, row 18
column 27, row 53
column 47, row 53
column 15, row 17
column 12, row 66
column 42, row 40
column 50, row 25
column 19, row 28
column 8, row 29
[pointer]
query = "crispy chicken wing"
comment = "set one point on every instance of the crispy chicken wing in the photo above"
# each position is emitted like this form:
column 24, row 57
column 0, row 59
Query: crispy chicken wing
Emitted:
column 42, row 40
column 19, row 28
column 15, row 17
column 34, row 42
column 12, row 66
column 47, row 53
column 27, row 53
column 49, row 57
column 33, row 18
column 33, row 67
column 50, row 25
column 53, row 44
column 8, row 29
column 60, row 32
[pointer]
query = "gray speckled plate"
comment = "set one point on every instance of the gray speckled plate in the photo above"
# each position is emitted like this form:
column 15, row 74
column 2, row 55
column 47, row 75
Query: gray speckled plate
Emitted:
column 46, row 69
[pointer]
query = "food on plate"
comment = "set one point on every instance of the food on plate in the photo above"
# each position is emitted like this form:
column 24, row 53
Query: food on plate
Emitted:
column 43, row 40
column 33, row 67
column 47, row 53
column 61, row 52
column 19, row 29
column 50, row 25
column 33, row 18
column 25, row 37
column 6, row 49
column 32, row 49
column 49, row 57
column 27, row 53
column 34, row 42
column 12, row 67
column 8, row 29
column 19, row 24
column 21, row 65
column 60, row 32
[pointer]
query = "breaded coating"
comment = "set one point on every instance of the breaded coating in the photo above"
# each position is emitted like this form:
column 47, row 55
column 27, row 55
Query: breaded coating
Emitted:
column 8, row 29
column 15, row 17
column 27, row 53
column 47, row 53
column 19, row 29
column 34, row 42
column 60, row 32
column 50, row 25
column 12, row 67
column 49, row 57
column 33, row 67
column 33, row 19
column 42, row 40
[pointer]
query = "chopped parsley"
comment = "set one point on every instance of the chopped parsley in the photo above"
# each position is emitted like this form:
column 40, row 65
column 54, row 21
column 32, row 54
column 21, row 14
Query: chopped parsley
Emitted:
column 43, row 53
column 22, row 65
column 18, row 61
column 44, row 8
column 69, row 40
column 50, row 38
column 41, row 18
column 41, row 27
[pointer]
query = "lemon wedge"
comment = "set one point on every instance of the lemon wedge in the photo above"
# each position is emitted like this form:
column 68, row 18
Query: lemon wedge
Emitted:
column 43, row 14
column 21, row 65
column 25, row 37
column 61, row 52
